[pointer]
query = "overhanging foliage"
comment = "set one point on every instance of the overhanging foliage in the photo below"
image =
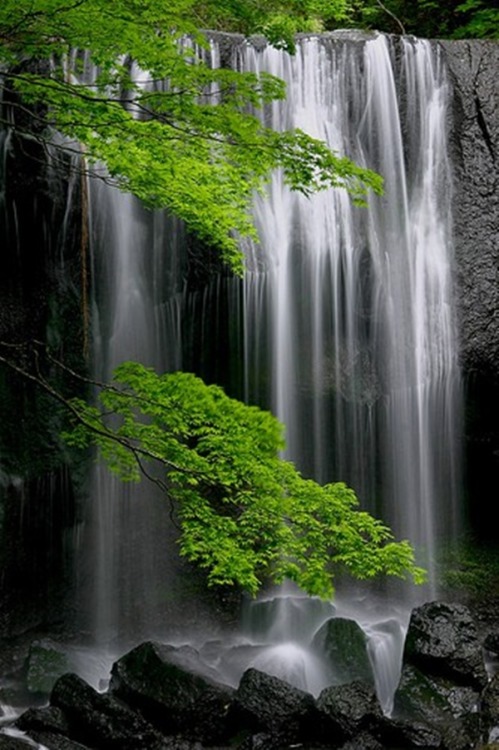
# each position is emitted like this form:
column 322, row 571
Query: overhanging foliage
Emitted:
column 245, row 514
column 144, row 100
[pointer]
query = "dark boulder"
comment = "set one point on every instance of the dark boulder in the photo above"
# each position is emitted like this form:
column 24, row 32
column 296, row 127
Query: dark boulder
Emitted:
column 438, row 706
column 48, row 719
column 348, row 710
column 101, row 720
column 165, row 684
column 408, row 734
column 431, row 699
column 343, row 644
column 446, row 734
column 442, row 641
column 266, row 704
column 48, row 726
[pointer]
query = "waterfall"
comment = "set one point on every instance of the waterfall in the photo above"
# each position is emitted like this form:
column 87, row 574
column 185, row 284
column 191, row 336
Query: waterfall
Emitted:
column 135, row 255
column 356, row 303
column 343, row 326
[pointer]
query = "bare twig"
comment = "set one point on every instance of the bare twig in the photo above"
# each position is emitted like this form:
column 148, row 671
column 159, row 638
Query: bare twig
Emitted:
column 389, row 12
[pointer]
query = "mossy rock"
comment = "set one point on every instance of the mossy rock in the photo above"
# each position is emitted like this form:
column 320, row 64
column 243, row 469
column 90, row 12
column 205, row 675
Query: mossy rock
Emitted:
column 343, row 644
column 46, row 663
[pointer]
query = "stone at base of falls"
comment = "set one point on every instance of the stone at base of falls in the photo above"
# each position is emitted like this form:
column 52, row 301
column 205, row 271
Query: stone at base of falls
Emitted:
column 49, row 719
column 432, row 698
column 167, row 685
column 398, row 733
column 442, row 640
column 264, row 703
column 348, row 710
column 442, row 674
column 441, row 705
column 163, row 697
column 344, row 645
column 101, row 720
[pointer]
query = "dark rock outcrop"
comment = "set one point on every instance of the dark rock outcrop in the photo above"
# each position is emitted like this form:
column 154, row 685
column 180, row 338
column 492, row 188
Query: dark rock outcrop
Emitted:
column 101, row 720
column 442, row 641
column 166, row 685
column 348, row 710
column 50, row 727
column 13, row 743
column 49, row 719
column 442, row 674
column 406, row 734
column 266, row 704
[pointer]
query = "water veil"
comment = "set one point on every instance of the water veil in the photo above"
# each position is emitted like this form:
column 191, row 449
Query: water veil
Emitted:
column 343, row 326
column 349, row 329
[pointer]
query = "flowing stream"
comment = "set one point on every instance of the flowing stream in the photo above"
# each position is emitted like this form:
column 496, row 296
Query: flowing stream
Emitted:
column 343, row 326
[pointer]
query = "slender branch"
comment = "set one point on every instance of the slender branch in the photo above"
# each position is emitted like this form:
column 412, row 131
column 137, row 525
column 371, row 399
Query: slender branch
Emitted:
column 389, row 12
column 137, row 451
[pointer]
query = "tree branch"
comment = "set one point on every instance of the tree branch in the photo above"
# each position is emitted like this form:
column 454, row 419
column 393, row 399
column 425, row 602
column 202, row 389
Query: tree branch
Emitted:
column 389, row 12
column 140, row 454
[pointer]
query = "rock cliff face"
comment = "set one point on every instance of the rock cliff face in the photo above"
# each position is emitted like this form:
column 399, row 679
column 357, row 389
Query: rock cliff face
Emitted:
column 473, row 67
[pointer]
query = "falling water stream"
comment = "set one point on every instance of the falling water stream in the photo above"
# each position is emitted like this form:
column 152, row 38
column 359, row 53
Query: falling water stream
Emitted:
column 355, row 307
column 345, row 327
column 357, row 303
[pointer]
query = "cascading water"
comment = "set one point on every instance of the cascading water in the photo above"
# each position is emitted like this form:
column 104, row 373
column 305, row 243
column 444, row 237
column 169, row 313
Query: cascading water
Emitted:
column 347, row 333
column 131, row 534
column 348, row 312
column 357, row 303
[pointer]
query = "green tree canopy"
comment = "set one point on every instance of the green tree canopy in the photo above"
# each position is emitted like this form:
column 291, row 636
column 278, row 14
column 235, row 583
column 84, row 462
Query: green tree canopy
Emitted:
column 433, row 19
column 245, row 514
column 142, row 98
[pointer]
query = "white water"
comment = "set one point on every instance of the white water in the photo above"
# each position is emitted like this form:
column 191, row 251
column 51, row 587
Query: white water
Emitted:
column 358, row 302
column 348, row 334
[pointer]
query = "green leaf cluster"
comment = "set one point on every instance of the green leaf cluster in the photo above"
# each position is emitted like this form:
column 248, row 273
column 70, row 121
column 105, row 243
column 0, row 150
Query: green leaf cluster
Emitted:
column 245, row 514
column 143, row 99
